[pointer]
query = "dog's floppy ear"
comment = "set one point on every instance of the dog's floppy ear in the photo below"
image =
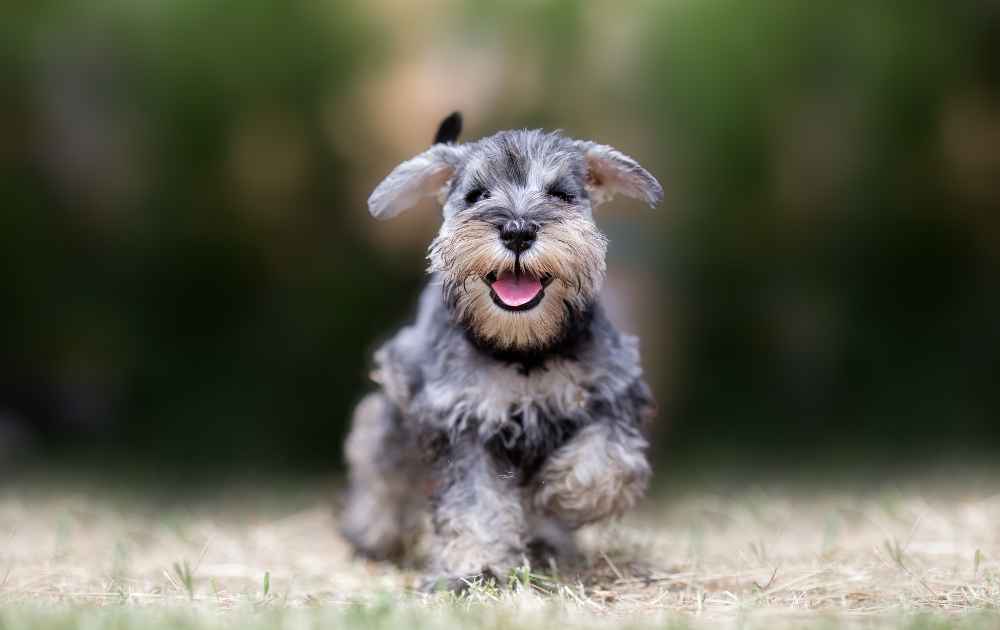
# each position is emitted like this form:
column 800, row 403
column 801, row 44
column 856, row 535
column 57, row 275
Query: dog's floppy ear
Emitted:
column 419, row 177
column 610, row 171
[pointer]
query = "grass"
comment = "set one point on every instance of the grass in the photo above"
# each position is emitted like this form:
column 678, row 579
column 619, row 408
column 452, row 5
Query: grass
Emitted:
column 918, row 557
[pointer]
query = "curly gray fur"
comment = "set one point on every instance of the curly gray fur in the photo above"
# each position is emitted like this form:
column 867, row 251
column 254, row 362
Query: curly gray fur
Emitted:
column 510, row 429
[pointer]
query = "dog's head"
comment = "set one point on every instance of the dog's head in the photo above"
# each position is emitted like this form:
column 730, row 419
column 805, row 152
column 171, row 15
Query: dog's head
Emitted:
column 518, row 253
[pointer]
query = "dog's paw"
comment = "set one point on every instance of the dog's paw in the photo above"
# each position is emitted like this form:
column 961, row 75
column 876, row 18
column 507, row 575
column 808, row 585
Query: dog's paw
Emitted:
column 365, row 544
column 458, row 584
column 597, row 475
column 547, row 555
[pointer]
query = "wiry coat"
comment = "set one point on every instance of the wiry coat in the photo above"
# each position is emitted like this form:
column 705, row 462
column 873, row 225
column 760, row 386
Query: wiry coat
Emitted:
column 513, row 428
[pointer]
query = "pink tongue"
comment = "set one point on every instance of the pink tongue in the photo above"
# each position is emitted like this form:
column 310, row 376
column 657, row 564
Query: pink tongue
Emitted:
column 516, row 291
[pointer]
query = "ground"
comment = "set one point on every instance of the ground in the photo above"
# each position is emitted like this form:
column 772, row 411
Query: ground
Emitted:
column 914, row 556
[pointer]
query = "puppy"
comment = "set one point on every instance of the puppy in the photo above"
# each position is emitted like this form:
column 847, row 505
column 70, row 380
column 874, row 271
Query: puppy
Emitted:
column 511, row 409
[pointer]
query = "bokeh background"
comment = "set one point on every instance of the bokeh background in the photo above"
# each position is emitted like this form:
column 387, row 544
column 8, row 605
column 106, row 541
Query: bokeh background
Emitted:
column 189, row 279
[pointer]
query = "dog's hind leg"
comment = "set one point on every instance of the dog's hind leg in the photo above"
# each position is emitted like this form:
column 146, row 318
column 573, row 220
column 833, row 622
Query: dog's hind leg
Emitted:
column 385, row 497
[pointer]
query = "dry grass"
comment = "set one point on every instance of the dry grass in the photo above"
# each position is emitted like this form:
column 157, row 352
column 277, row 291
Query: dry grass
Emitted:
column 762, row 558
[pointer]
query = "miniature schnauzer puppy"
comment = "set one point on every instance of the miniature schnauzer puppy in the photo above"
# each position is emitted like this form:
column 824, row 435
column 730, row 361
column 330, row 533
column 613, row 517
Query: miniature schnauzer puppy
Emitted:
column 511, row 409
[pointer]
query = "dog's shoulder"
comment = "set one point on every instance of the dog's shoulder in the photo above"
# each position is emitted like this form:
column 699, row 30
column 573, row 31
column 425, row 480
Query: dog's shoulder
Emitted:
column 403, row 363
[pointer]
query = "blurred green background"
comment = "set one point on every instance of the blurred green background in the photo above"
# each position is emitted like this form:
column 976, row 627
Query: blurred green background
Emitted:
column 189, row 277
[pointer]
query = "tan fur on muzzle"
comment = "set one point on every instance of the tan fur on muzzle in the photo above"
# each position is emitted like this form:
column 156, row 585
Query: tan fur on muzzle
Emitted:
column 570, row 250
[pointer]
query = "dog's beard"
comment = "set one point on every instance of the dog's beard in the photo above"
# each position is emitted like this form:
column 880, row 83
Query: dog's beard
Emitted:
column 566, row 261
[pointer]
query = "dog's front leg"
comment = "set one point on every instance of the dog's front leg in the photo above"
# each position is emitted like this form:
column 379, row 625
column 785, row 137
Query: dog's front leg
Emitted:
column 601, row 472
column 479, row 522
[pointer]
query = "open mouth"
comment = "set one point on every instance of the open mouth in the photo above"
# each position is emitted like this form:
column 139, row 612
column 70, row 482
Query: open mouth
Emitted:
column 517, row 292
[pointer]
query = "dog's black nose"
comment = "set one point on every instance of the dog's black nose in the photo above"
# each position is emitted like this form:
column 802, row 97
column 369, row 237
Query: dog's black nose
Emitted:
column 518, row 235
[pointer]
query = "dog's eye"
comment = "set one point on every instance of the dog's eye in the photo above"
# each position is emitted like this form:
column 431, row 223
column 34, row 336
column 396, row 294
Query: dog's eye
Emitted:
column 560, row 194
column 476, row 194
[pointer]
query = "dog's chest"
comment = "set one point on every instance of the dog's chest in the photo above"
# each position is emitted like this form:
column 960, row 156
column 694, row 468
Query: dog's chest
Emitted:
column 496, row 395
